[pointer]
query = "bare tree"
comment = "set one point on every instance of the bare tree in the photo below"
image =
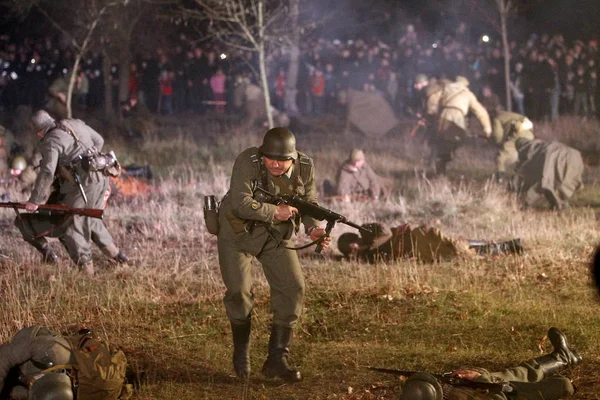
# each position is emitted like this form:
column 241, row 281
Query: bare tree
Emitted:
column 505, row 9
column 250, row 25
column 291, row 85
column 76, row 19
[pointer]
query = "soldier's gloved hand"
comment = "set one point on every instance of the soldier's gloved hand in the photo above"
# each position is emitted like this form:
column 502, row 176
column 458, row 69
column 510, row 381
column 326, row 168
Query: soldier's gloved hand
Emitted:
column 317, row 233
column 466, row 374
column 283, row 212
column 31, row 206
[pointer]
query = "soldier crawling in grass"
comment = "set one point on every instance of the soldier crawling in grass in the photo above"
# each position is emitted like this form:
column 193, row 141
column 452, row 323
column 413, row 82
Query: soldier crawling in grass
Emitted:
column 422, row 243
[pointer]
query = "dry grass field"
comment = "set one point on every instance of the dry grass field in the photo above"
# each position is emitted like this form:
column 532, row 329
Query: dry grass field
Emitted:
column 165, row 307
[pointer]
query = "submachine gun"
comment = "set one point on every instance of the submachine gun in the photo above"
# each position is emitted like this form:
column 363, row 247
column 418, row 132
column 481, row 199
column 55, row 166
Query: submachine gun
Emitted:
column 447, row 378
column 311, row 210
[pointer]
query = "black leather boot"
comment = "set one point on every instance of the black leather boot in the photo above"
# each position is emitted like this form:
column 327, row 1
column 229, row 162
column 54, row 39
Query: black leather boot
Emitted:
column 493, row 249
column 561, row 357
column 279, row 350
column 121, row 258
column 48, row 256
column 241, row 348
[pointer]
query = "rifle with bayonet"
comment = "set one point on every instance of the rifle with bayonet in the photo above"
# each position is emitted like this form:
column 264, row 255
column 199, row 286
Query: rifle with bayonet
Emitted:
column 313, row 210
column 58, row 209
column 501, row 387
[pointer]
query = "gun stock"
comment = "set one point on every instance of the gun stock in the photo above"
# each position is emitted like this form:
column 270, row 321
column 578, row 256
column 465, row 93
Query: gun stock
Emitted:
column 59, row 209
column 312, row 210
column 501, row 387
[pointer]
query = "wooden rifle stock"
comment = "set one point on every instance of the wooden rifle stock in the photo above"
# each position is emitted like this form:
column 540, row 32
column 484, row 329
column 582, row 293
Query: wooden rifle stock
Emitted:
column 59, row 209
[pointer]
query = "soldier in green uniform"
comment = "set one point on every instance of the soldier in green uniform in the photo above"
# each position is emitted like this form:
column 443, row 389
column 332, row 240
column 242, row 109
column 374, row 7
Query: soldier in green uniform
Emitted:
column 250, row 227
column 507, row 127
column 535, row 379
column 38, row 364
column 62, row 144
column 422, row 243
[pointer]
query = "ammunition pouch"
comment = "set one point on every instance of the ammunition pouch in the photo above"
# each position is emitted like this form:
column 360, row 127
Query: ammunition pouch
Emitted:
column 211, row 214
column 107, row 163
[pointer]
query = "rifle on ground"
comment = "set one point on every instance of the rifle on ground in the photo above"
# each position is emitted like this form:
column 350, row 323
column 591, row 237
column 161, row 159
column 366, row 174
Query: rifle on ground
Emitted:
column 502, row 387
column 312, row 210
column 58, row 209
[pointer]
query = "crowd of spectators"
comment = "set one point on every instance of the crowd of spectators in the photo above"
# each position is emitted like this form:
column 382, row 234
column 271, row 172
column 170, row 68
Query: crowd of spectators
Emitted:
column 549, row 75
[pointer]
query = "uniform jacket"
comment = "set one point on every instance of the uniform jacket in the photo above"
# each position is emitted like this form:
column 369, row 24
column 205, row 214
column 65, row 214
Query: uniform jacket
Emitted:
column 425, row 244
column 455, row 103
column 363, row 181
column 58, row 147
column 245, row 218
column 555, row 166
column 508, row 126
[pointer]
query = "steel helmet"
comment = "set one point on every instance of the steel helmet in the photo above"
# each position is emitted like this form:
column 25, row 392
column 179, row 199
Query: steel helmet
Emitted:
column 42, row 120
column 19, row 163
column 52, row 386
column 345, row 241
column 422, row 386
column 421, row 78
column 279, row 144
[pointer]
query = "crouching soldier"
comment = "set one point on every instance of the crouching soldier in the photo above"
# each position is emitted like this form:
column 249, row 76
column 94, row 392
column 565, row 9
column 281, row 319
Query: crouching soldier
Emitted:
column 423, row 243
column 533, row 379
column 39, row 364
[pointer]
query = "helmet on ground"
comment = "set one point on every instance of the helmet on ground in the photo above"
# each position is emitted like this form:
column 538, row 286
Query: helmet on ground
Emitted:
column 420, row 78
column 279, row 144
column 422, row 386
column 52, row 386
column 345, row 242
column 42, row 120
column 19, row 163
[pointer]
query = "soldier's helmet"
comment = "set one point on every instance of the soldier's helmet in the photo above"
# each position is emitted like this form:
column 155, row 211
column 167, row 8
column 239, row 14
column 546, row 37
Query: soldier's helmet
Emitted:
column 422, row 386
column 52, row 386
column 421, row 78
column 345, row 242
column 42, row 120
column 18, row 163
column 279, row 144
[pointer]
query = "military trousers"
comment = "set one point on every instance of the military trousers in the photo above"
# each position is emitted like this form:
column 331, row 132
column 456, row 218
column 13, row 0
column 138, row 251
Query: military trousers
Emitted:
column 74, row 232
column 528, row 381
column 283, row 273
column 507, row 156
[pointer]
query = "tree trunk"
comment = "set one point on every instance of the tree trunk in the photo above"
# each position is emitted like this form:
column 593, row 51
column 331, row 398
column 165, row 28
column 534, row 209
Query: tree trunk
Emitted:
column 106, row 76
column 503, row 17
column 72, row 80
column 124, row 60
column 262, row 64
column 291, row 85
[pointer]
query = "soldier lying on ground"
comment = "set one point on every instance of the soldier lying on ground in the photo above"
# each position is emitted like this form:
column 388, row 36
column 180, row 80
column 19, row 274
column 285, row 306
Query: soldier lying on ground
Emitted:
column 533, row 379
column 547, row 171
column 423, row 243
column 43, row 365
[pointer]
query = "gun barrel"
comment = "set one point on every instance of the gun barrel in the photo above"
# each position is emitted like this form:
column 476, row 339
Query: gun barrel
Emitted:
column 59, row 209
